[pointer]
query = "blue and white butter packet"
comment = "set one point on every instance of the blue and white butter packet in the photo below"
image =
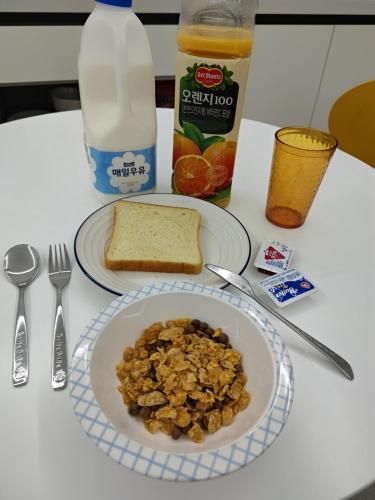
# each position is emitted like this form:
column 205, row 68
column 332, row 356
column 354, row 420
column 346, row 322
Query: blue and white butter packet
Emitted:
column 287, row 287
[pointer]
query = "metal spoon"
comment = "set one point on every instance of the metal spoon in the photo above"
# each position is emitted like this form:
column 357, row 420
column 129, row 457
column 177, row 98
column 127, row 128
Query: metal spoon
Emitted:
column 21, row 266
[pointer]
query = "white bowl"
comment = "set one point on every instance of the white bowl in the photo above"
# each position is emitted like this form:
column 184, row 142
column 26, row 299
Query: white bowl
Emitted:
column 105, row 419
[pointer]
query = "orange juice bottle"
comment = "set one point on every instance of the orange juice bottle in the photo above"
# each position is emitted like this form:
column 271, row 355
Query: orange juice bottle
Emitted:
column 215, row 39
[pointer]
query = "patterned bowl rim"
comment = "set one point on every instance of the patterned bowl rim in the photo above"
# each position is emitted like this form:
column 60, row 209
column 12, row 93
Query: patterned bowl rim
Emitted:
column 178, row 466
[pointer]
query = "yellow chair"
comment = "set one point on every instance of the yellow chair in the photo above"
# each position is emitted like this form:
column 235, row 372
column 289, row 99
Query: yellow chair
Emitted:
column 352, row 122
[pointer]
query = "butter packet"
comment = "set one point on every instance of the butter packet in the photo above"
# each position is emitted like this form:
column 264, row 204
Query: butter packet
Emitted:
column 287, row 287
column 273, row 257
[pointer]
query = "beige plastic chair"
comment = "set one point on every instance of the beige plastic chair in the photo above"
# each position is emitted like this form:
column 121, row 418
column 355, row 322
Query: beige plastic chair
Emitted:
column 352, row 122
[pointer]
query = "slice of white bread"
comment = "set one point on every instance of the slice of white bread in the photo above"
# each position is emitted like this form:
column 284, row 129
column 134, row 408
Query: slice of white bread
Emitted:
column 148, row 237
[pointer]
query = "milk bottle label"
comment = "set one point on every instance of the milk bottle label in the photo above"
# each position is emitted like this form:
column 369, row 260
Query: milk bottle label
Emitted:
column 123, row 172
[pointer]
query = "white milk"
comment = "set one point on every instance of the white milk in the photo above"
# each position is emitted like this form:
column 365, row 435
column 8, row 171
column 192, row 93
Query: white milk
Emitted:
column 117, row 87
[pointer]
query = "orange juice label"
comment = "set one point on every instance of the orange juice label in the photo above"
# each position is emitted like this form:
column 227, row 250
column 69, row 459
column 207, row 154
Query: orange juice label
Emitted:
column 208, row 108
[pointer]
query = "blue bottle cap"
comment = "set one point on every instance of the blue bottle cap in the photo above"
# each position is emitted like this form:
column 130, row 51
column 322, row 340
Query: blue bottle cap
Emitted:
column 117, row 3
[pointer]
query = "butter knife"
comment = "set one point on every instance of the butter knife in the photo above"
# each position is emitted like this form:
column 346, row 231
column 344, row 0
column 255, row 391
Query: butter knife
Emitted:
column 243, row 284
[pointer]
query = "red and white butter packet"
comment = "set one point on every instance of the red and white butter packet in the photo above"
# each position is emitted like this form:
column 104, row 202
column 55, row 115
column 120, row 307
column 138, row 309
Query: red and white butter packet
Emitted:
column 287, row 287
column 273, row 257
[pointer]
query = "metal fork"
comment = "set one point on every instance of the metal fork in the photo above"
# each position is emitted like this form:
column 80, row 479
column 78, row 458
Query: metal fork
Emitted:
column 59, row 271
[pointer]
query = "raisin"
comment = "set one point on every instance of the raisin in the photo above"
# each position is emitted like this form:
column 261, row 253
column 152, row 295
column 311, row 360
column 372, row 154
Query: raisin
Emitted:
column 190, row 329
column 203, row 326
column 162, row 344
column 152, row 374
column 218, row 404
column 145, row 412
column 204, row 423
column 222, row 338
column 210, row 331
column 133, row 408
column 176, row 432
column 196, row 323
column 191, row 402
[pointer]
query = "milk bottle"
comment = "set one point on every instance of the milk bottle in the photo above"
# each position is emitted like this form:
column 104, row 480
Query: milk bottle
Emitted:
column 117, row 87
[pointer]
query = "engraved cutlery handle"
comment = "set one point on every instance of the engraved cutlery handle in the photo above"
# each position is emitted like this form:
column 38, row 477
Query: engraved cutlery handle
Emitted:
column 59, row 358
column 20, row 347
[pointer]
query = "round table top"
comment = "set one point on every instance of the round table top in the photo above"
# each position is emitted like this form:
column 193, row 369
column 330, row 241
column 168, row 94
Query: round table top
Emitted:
column 327, row 448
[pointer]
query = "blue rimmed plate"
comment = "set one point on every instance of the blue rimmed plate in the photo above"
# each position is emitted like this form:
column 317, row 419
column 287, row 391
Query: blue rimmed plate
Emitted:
column 103, row 416
column 223, row 240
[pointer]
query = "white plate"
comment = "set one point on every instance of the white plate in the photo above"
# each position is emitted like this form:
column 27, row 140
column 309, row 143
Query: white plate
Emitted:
column 223, row 240
column 103, row 416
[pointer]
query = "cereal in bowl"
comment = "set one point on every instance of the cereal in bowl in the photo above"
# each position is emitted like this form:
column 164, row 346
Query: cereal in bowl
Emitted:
column 183, row 377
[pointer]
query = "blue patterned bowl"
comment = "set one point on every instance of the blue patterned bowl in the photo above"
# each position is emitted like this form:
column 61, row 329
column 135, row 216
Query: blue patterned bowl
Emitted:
column 99, row 407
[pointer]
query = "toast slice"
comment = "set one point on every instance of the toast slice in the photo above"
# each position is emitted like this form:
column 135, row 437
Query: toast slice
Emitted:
column 158, row 238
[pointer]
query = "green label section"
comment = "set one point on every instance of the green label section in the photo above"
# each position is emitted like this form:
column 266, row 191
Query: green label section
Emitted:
column 210, row 106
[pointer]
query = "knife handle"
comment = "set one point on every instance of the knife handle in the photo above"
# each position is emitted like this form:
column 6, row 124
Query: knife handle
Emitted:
column 343, row 365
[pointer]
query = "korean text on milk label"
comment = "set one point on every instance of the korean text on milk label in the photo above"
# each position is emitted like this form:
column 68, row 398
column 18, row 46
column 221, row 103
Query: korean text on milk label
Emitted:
column 123, row 172
column 287, row 287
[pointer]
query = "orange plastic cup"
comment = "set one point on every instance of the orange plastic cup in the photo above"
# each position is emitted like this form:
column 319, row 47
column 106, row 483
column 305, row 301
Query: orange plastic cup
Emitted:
column 300, row 159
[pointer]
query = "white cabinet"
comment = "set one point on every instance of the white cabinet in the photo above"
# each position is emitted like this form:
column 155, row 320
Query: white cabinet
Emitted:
column 83, row 5
column 285, row 73
column 265, row 6
column 46, row 5
column 36, row 54
column 355, row 7
column 351, row 61
column 296, row 74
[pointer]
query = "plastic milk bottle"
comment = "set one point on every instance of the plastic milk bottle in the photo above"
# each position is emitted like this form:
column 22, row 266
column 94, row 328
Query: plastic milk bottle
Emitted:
column 117, row 87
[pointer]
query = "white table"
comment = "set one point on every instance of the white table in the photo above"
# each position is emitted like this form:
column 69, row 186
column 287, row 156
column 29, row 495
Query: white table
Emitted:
column 327, row 448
